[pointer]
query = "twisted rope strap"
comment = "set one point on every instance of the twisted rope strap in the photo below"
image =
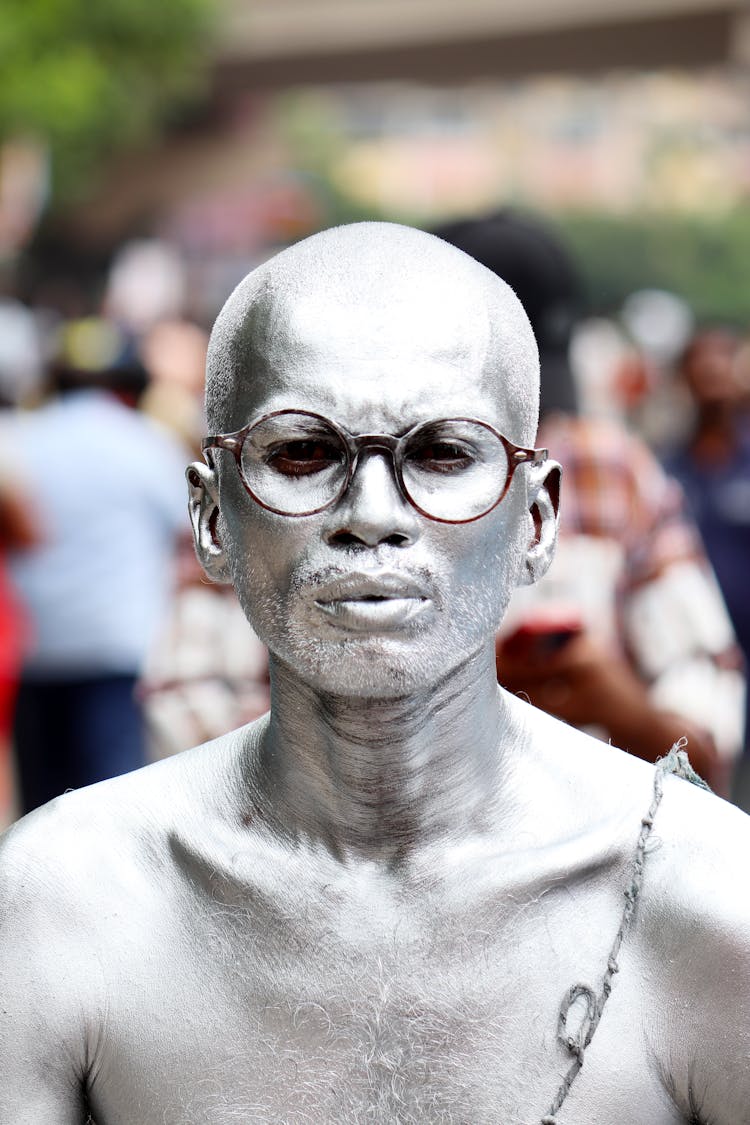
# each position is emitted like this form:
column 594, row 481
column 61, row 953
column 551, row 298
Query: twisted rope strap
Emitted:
column 675, row 762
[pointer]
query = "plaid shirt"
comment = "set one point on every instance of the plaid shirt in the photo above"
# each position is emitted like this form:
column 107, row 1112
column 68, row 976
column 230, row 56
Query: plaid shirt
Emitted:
column 208, row 672
column 631, row 566
column 614, row 488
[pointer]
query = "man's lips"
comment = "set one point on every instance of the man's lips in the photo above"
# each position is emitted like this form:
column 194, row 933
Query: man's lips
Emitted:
column 374, row 585
column 385, row 601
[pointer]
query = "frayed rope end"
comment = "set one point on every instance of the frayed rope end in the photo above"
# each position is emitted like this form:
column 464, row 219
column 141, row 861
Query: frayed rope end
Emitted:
column 677, row 762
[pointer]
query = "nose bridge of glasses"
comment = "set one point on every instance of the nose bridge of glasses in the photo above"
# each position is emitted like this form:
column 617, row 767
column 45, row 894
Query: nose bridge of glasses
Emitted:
column 367, row 449
column 363, row 446
column 360, row 442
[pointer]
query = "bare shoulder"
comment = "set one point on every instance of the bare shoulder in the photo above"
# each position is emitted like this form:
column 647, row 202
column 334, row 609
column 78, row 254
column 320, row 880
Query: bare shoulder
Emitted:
column 698, row 851
column 77, row 879
column 699, row 868
column 688, row 948
column 62, row 852
column 693, row 938
column 590, row 785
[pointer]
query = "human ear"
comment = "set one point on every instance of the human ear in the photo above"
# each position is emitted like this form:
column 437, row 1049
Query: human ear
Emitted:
column 544, row 504
column 203, row 506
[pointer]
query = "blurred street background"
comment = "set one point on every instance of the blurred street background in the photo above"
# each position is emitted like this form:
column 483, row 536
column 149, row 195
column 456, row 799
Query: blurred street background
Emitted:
column 152, row 153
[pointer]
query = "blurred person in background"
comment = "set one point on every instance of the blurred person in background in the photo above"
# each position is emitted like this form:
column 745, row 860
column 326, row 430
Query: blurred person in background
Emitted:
column 207, row 672
column 623, row 365
column 714, row 468
column 657, row 325
column 173, row 353
column 627, row 636
column 107, row 486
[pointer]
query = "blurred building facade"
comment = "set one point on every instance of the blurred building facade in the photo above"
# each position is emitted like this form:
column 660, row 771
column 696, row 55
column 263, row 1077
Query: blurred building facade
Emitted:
column 274, row 43
column 418, row 108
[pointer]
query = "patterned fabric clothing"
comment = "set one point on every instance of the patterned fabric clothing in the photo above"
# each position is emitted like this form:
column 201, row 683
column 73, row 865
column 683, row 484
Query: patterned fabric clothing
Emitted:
column 630, row 566
column 208, row 672
column 614, row 488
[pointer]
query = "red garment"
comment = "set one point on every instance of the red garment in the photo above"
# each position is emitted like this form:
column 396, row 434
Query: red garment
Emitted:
column 13, row 634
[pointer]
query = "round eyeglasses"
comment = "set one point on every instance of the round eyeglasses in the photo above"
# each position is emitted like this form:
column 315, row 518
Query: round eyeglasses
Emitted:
column 297, row 463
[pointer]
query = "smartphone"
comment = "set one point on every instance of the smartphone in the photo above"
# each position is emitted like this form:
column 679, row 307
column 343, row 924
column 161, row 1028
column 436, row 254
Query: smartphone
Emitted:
column 540, row 637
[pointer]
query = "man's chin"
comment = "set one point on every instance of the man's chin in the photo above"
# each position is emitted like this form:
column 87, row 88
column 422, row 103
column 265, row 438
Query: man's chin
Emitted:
column 373, row 667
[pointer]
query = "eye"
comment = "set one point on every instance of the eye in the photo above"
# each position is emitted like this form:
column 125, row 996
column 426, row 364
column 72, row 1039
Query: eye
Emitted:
column 441, row 457
column 302, row 458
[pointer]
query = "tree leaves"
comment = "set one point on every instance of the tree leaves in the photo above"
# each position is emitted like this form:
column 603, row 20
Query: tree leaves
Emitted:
column 88, row 77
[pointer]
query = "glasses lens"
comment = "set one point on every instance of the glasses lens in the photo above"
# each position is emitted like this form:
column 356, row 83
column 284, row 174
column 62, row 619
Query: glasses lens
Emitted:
column 455, row 469
column 294, row 463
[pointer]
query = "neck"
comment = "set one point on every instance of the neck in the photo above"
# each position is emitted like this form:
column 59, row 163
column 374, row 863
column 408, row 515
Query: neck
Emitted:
column 380, row 778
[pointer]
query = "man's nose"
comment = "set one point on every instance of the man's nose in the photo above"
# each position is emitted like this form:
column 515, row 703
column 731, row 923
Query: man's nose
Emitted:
column 373, row 511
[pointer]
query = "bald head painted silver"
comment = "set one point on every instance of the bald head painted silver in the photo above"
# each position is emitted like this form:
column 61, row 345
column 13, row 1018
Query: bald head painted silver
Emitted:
column 372, row 296
column 380, row 622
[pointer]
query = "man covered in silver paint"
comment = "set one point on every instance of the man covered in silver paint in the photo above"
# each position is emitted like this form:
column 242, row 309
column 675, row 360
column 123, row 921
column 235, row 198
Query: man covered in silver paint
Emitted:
column 404, row 895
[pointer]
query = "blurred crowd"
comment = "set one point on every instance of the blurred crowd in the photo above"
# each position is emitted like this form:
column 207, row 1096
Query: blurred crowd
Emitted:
column 114, row 650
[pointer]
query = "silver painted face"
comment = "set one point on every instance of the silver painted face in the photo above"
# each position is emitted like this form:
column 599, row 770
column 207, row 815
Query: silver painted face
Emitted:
column 369, row 597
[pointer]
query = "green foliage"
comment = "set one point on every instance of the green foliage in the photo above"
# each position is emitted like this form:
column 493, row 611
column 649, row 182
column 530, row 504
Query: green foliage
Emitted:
column 705, row 259
column 88, row 76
